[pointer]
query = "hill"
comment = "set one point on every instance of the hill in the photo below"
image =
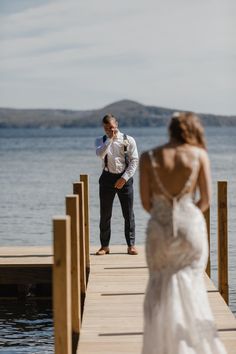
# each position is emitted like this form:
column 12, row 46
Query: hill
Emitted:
column 130, row 113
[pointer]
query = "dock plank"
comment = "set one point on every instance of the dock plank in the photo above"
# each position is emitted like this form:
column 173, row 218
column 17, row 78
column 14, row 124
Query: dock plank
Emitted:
column 26, row 256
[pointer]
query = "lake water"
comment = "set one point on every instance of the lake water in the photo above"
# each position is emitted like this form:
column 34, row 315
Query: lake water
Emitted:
column 37, row 169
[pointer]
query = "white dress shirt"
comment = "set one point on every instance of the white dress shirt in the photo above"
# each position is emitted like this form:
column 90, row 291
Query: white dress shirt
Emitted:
column 114, row 149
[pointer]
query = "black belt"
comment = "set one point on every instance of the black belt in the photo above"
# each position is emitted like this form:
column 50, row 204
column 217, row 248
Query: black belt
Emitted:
column 113, row 174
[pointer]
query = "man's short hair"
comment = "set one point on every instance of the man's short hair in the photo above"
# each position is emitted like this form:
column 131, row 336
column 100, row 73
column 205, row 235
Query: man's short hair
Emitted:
column 108, row 118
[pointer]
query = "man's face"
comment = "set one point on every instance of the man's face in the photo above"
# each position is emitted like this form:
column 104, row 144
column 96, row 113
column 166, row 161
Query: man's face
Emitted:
column 110, row 128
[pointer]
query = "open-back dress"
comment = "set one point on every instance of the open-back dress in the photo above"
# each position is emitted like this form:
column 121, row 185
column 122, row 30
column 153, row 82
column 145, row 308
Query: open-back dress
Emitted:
column 177, row 315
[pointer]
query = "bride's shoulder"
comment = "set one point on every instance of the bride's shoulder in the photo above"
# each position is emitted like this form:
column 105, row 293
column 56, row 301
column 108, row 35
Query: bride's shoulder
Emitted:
column 200, row 153
column 145, row 156
column 198, row 150
column 154, row 151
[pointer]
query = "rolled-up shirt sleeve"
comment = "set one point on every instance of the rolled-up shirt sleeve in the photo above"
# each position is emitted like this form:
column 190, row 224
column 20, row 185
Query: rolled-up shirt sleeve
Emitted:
column 102, row 147
column 133, row 159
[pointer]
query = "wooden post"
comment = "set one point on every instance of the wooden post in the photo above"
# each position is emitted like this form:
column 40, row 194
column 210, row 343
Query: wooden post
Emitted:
column 62, row 285
column 72, row 207
column 85, row 180
column 207, row 218
column 78, row 189
column 223, row 241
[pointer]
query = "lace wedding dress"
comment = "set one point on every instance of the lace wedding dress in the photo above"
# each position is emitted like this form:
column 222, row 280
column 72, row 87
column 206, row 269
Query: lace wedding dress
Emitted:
column 177, row 315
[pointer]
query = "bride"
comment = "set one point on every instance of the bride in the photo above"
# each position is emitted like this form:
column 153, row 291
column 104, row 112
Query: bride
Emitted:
column 177, row 315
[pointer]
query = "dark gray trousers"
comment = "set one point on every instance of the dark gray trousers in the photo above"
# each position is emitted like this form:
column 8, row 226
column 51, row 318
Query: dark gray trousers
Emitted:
column 107, row 194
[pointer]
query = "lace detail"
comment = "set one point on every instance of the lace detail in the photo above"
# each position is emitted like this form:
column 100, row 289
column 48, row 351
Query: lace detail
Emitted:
column 177, row 315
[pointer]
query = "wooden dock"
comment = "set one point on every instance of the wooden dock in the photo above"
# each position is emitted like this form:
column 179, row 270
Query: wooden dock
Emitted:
column 113, row 311
column 113, row 314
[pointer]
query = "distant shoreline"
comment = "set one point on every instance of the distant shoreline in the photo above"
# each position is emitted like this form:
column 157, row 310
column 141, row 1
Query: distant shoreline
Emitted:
column 129, row 113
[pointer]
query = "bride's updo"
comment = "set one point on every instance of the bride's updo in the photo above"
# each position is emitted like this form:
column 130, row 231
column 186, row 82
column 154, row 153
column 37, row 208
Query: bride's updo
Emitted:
column 186, row 127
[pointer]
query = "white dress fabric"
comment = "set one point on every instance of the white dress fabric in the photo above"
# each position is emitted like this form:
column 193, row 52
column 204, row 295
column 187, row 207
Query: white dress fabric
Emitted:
column 177, row 315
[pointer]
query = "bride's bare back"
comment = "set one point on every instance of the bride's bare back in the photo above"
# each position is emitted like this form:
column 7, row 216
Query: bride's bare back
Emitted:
column 174, row 165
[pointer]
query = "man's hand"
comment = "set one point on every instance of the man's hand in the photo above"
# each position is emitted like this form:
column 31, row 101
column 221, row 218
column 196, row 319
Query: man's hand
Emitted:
column 111, row 128
column 120, row 183
column 113, row 133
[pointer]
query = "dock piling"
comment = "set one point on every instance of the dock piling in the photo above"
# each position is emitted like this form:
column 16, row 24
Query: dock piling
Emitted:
column 207, row 218
column 223, row 241
column 78, row 189
column 72, row 207
column 85, row 180
column 62, row 285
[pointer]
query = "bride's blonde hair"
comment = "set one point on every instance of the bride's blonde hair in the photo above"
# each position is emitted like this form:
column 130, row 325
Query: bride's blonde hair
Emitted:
column 186, row 127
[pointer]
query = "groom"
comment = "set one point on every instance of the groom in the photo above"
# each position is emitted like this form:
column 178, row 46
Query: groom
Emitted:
column 120, row 160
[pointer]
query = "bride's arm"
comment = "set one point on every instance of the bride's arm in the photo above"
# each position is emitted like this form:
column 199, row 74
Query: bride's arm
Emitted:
column 145, row 182
column 204, row 182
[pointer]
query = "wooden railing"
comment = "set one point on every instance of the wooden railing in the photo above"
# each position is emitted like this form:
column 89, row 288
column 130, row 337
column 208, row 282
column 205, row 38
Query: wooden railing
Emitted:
column 71, row 267
column 72, row 263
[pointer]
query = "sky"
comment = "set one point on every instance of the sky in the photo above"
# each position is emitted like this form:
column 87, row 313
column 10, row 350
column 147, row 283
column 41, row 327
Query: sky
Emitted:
column 85, row 54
